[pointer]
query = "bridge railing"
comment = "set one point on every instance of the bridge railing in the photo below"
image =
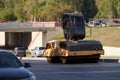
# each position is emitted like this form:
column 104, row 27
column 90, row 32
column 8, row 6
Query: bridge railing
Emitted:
column 29, row 24
column 16, row 24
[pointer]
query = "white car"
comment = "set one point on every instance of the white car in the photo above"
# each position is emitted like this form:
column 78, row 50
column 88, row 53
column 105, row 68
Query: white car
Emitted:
column 37, row 52
column 93, row 23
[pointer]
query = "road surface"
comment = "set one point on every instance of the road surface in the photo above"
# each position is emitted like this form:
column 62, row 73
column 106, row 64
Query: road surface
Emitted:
column 80, row 71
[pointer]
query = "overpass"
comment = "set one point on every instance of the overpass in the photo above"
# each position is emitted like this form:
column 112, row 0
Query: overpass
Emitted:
column 26, row 26
column 27, row 34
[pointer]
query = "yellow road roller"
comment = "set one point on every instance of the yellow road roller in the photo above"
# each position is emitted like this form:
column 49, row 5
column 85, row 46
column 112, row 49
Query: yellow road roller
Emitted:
column 74, row 48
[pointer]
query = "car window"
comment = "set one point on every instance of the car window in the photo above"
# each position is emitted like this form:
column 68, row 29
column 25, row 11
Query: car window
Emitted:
column 41, row 48
column 9, row 60
column 21, row 48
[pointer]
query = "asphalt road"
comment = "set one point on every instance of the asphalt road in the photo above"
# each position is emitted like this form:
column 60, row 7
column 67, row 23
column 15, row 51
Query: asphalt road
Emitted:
column 80, row 71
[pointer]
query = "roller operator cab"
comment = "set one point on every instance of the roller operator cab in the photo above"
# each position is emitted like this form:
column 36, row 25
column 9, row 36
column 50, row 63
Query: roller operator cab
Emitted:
column 74, row 48
column 73, row 26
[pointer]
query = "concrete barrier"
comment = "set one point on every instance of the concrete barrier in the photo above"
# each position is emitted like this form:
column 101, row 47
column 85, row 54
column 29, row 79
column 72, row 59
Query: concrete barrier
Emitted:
column 111, row 51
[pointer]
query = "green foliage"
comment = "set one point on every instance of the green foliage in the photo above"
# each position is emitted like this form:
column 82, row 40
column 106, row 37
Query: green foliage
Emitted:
column 89, row 9
column 108, row 9
column 49, row 10
column 19, row 11
column 7, row 14
column 1, row 3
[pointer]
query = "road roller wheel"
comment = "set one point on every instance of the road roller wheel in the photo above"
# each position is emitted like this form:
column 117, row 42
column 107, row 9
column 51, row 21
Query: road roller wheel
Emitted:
column 49, row 59
column 95, row 60
column 53, row 59
column 64, row 60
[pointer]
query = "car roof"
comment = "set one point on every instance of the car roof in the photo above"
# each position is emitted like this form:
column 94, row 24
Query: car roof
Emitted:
column 6, row 52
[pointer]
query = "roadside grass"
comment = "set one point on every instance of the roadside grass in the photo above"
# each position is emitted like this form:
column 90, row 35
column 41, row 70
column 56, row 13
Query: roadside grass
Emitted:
column 60, row 37
column 27, row 53
column 108, row 36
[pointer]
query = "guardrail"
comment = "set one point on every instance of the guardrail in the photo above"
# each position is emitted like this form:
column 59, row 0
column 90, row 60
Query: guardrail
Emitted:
column 12, row 26
column 28, row 24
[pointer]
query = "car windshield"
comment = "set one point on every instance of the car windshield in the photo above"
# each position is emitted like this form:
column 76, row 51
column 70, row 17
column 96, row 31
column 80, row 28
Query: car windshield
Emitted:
column 41, row 48
column 20, row 48
column 9, row 60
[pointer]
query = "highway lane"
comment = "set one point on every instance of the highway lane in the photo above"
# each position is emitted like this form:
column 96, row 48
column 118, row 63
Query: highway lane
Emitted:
column 80, row 71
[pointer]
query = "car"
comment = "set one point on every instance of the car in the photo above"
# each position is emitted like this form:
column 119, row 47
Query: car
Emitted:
column 93, row 23
column 2, row 21
column 20, row 51
column 37, row 51
column 11, row 68
column 97, row 23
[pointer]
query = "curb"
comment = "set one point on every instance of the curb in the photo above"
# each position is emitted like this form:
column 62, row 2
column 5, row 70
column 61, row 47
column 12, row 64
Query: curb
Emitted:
column 115, row 60
column 33, row 58
column 110, row 60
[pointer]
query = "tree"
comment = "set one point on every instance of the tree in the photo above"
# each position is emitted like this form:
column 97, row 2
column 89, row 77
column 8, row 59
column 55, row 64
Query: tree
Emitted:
column 108, row 8
column 104, row 9
column 2, row 3
column 48, row 10
column 89, row 9
column 51, row 10
column 8, row 10
column 19, row 11
column 118, row 9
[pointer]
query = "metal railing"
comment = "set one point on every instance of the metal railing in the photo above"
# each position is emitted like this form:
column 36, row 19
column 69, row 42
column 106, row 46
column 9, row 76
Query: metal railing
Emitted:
column 26, row 25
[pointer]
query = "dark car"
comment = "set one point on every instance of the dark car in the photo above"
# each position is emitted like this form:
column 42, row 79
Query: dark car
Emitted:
column 12, row 69
column 20, row 51
column 97, row 23
column 93, row 23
